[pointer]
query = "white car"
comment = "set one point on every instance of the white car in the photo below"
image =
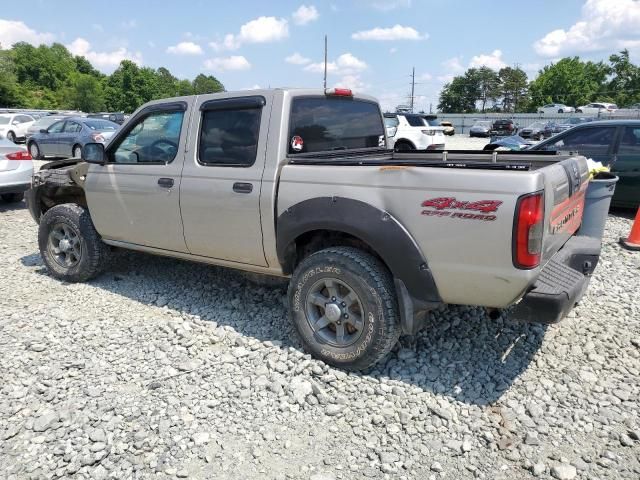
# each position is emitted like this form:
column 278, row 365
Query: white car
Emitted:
column 13, row 126
column 595, row 108
column 412, row 131
column 555, row 108
column 16, row 170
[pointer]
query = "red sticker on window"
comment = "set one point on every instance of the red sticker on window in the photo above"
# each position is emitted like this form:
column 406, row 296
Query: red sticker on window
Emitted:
column 297, row 143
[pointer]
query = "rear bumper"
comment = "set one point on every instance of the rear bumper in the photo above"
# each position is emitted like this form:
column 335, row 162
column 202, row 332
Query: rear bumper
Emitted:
column 15, row 188
column 561, row 284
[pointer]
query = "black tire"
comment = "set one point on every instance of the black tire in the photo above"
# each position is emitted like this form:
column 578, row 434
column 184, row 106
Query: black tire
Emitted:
column 560, row 111
column 76, row 151
column 34, row 148
column 11, row 137
column 403, row 146
column 12, row 197
column 578, row 111
column 91, row 253
column 372, row 304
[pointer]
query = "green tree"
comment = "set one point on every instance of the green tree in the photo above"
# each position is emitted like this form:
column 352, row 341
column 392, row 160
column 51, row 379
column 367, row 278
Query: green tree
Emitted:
column 458, row 96
column 206, row 84
column 8, row 85
column 570, row 81
column 625, row 82
column 513, row 89
column 488, row 85
column 83, row 92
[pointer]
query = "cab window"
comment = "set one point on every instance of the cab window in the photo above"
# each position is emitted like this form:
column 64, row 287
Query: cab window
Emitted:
column 154, row 138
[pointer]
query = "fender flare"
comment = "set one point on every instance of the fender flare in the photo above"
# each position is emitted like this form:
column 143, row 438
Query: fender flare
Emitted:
column 377, row 228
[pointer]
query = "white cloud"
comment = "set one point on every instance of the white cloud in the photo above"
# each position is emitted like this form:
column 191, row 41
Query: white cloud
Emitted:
column 604, row 25
column 387, row 5
column 185, row 48
column 453, row 65
column 129, row 24
column 260, row 30
column 105, row 61
column 345, row 64
column 297, row 59
column 304, row 15
column 492, row 60
column 353, row 82
column 15, row 31
column 222, row 64
column 397, row 32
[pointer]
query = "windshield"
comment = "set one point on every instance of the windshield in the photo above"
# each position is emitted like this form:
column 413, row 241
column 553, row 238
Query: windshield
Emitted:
column 432, row 122
column 4, row 120
column 100, row 125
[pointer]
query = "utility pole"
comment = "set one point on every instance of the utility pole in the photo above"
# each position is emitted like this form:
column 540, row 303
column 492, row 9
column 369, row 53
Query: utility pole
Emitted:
column 325, row 62
column 413, row 85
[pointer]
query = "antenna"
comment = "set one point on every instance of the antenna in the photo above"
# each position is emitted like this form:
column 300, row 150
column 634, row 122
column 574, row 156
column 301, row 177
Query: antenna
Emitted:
column 413, row 85
column 325, row 62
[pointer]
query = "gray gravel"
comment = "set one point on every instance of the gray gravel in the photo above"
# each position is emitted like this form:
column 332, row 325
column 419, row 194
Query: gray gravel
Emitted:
column 167, row 369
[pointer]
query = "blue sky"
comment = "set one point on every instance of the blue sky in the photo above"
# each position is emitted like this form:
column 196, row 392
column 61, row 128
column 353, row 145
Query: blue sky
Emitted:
column 373, row 44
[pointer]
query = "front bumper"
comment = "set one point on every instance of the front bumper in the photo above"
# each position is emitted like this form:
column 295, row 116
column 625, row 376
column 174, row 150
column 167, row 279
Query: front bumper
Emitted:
column 561, row 284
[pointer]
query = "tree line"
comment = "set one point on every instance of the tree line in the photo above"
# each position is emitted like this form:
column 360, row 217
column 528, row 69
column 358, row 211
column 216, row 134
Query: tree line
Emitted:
column 570, row 81
column 50, row 77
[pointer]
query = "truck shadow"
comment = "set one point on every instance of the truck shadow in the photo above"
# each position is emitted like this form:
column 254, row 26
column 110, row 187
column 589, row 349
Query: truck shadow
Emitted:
column 461, row 353
column 11, row 207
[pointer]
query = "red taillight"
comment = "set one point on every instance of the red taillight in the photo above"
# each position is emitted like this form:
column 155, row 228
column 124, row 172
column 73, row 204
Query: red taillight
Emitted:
column 340, row 92
column 528, row 231
column 21, row 155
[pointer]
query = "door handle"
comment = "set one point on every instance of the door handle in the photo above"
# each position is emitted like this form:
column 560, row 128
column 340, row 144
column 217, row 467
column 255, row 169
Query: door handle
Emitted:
column 240, row 187
column 165, row 182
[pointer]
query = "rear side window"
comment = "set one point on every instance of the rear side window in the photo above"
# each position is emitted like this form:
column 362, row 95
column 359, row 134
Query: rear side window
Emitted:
column 415, row 121
column 72, row 127
column 326, row 123
column 229, row 137
column 630, row 142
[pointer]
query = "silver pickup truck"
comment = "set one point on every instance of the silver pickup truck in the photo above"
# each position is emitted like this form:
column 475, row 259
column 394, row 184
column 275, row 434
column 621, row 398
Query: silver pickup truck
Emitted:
column 299, row 183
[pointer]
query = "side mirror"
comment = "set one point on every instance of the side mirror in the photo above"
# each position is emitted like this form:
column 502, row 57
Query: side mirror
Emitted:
column 94, row 153
column 44, row 130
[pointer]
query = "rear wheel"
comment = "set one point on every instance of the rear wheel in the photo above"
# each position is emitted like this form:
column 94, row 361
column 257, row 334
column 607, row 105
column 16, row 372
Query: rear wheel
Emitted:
column 77, row 151
column 343, row 304
column 34, row 151
column 560, row 111
column 578, row 111
column 12, row 197
column 70, row 245
column 403, row 146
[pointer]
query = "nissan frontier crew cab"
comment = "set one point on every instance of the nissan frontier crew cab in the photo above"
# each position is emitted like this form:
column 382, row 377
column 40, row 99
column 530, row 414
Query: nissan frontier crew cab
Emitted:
column 300, row 183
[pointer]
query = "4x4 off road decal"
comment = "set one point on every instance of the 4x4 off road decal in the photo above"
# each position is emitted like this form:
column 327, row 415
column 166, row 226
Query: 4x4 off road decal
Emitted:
column 444, row 206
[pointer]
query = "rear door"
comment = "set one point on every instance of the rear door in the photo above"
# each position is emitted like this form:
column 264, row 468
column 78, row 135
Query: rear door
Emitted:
column 221, row 180
column 627, row 167
column 67, row 138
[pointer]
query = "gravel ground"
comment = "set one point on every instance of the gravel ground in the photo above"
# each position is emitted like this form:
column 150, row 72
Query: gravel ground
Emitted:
column 165, row 369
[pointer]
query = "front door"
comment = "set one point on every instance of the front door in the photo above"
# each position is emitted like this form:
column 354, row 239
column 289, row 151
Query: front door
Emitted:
column 627, row 167
column 220, row 190
column 134, row 197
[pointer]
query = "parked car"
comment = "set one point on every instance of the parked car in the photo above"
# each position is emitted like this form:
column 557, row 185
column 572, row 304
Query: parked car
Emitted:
column 16, row 169
column 549, row 129
column 570, row 123
column 116, row 117
column 615, row 143
column 534, row 131
column 13, row 126
column 481, row 128
column 555, row 108
column 503, row 127
column 42, row 123
column 596, row 108
column 66, row 137
column 293, row 183
column 449, row 129
column 414, row 132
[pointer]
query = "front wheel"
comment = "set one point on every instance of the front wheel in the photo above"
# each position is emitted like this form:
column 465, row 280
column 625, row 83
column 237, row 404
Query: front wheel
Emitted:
column 578, row 111
column 11, row 137
column 343, row 304
column 69, row 244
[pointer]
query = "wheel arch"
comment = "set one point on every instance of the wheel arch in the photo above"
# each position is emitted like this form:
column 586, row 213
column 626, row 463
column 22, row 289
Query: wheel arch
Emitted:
column 407, row 141
column 322, row 222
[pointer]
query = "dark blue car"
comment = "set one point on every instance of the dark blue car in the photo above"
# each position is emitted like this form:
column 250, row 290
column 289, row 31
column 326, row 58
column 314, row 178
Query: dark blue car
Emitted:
column 66, row 137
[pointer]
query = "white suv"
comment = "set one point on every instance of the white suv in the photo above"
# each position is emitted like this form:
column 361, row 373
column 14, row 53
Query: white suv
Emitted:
column 412, row 131
column 13, row 126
